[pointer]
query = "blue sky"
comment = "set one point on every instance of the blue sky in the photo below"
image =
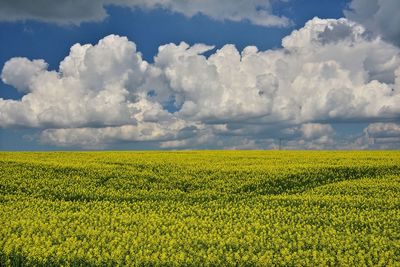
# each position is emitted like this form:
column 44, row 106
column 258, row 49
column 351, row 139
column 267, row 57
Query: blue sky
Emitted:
column 34, row 36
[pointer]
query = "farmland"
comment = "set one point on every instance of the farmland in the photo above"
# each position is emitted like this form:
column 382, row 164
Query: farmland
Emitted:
column 215, row 208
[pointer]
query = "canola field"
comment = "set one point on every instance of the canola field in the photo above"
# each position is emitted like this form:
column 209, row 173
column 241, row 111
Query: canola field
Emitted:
column 200, row 208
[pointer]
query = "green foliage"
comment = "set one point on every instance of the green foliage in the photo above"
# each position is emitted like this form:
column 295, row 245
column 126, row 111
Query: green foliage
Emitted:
column 213, row 208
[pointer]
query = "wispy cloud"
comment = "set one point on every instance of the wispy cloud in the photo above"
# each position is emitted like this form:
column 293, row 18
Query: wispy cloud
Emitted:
column 257, row 12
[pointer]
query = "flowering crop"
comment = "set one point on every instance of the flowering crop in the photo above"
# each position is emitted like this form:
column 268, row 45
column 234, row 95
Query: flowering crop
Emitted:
column 214, row 208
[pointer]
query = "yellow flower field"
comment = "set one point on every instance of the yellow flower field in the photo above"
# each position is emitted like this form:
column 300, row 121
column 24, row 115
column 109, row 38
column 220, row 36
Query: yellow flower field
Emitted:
column 195, row 208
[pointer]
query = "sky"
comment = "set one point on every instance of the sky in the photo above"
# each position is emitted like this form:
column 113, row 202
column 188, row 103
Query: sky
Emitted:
column 199, row 74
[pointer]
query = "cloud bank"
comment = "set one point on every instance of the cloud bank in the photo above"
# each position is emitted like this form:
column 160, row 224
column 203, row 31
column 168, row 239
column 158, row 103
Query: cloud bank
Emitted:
column 257, row 12
column 326, row 72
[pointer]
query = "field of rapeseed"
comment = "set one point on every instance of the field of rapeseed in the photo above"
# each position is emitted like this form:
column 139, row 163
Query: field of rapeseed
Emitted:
column 214, row 208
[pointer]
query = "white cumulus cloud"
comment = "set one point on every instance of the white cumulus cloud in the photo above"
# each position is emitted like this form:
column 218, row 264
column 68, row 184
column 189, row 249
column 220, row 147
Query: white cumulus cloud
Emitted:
column 20, row 72
column 96, row 85
column 316, row 76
